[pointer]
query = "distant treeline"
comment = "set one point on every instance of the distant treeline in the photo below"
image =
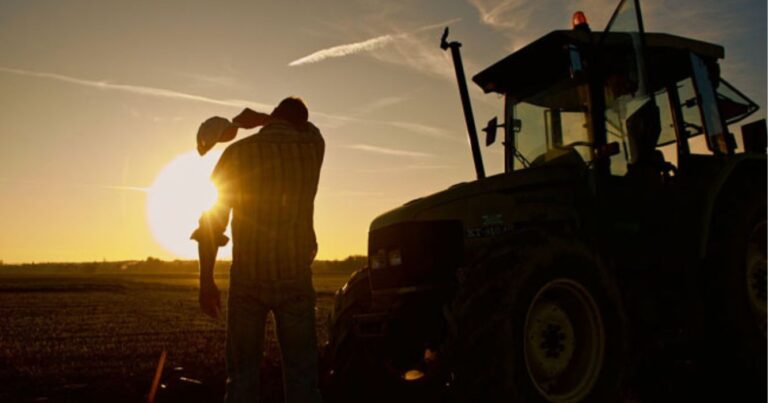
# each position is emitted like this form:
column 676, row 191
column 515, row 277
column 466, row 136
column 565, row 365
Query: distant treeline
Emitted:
column 153, row 265
column 347, row 265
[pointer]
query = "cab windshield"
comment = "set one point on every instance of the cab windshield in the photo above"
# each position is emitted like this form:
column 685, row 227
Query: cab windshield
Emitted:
column 553, row 123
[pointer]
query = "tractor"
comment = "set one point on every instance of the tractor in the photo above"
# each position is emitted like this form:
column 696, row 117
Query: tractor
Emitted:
column 620, row 256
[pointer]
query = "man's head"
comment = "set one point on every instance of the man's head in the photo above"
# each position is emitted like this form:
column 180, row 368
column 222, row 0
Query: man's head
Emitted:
column 293, row 110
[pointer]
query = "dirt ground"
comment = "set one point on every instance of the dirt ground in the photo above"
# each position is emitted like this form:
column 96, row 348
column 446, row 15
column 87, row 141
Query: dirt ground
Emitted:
column 74, row 338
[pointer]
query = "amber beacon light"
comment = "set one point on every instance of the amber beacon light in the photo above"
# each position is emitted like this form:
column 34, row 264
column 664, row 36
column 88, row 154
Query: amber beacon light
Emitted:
column 579, row 20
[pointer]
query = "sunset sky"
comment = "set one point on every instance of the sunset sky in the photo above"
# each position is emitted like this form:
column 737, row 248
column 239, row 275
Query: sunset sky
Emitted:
column 98, row 96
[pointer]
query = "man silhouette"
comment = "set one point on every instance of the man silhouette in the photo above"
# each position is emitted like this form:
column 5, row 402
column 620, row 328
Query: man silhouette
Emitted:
column 268, row 181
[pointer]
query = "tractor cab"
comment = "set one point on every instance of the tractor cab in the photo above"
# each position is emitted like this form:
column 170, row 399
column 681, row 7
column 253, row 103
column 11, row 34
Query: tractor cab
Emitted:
column 621, row 102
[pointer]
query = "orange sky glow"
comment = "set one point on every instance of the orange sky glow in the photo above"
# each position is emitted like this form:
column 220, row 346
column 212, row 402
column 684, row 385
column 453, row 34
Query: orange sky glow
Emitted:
column 98, row 98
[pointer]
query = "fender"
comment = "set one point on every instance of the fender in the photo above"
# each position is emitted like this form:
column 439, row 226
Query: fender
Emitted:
column 738, row 165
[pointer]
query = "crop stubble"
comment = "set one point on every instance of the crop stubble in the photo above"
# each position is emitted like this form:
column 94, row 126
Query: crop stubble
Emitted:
column 83, row 338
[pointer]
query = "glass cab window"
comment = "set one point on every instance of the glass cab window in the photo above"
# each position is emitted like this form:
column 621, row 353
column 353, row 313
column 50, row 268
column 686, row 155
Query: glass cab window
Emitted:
column 619, row 123
column 716, row 136
column 643, row 122
column 552, row 124
column 689, row 106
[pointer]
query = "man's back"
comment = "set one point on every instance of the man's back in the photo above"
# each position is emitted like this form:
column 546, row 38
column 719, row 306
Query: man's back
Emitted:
column 269, row 180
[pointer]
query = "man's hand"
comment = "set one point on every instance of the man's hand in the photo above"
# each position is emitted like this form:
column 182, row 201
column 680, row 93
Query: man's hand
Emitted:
column 248, row 119
column 229, row 133
column 210, row 299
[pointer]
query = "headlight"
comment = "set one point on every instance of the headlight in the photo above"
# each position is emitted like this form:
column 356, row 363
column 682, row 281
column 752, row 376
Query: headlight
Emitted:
column 395, row 258
column 383, row 258
column 379, row 259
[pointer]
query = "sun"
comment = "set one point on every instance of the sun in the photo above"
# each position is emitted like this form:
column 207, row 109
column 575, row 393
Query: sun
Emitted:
column 179, row 194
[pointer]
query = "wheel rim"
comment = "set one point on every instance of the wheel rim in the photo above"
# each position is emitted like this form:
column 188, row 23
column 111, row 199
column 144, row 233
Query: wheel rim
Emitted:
column 564, row 341
column 756, row 275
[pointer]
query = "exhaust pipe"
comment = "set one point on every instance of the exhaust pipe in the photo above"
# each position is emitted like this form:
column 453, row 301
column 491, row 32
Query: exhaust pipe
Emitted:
column 465, row 102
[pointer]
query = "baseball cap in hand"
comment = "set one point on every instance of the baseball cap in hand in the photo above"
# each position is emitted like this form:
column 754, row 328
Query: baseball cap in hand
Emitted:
column 212, row 131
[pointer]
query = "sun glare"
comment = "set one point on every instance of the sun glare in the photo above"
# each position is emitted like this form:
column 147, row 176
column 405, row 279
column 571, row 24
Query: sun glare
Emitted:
column 180, row 193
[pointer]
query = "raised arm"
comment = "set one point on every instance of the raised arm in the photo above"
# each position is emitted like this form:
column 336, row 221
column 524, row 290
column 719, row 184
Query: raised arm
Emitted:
column 220, row 130
column 248, row 119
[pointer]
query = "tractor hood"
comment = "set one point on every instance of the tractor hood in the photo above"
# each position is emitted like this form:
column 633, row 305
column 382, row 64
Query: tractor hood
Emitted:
column 411, row 210
column 465, row 200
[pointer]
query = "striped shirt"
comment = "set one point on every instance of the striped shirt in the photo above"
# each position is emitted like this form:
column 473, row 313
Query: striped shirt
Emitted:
column 268, row 181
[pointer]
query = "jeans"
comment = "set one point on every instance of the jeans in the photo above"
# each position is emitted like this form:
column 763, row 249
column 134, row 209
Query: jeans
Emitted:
column 293, row 305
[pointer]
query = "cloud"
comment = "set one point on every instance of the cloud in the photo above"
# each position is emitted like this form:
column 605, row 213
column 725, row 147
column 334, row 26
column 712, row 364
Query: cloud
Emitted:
column 420, row 54
column 522, row 21
column 493, row 12
column 380, row 103
column 213, row 80
column 426, row 130
column 722, row 20
column 388, row 151
column 363, row 46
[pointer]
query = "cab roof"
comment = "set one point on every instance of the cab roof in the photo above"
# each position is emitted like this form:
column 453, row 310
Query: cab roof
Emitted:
column 545, row 60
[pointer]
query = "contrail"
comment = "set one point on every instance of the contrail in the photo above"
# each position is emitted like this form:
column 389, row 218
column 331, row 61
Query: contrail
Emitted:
column 362, row 46
column 158, row 92
column 131, row 188
column 74, row 184
column 388, row 151
column 344, row 50
column 136, row 89
column 234, row 103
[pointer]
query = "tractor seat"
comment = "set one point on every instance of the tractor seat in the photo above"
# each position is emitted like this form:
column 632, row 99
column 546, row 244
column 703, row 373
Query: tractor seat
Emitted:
column 558, row 156
column 655, row 167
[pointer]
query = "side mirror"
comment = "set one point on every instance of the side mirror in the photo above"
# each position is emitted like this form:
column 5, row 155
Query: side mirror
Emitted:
column 754, row 136
column 490, row 131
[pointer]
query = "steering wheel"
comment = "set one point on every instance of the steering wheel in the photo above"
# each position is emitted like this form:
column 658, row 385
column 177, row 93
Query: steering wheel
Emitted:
column 570, row 146
column 698, row 129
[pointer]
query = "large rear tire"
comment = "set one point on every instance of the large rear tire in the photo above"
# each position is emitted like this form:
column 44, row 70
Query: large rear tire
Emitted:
column 736, row 293
column 539, row 320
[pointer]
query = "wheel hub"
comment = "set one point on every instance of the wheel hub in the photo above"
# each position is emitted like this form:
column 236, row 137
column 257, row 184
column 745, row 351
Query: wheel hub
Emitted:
column 564, row 341
column 551, row 339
